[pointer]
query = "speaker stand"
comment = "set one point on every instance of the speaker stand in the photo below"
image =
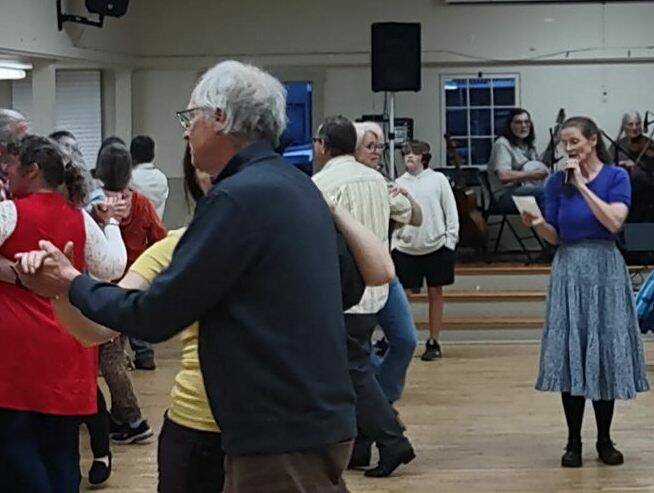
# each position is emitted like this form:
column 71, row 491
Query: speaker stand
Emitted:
column 391, row 134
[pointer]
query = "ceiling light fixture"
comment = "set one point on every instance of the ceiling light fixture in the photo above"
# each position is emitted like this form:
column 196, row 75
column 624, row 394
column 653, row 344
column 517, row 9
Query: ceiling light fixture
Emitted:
column 11, row 73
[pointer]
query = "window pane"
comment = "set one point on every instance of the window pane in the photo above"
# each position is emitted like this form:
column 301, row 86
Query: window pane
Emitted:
column 480, row 122
column 456, row 92
column 457, row 122
column 481, row 149
column 504, row 92
column 480, row 92
column 500, row 116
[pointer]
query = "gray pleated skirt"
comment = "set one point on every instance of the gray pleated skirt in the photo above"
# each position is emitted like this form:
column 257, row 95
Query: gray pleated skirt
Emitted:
column 591, row 342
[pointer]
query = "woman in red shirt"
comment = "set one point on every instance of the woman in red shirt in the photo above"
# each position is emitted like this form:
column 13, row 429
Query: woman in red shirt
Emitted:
column 47, row 379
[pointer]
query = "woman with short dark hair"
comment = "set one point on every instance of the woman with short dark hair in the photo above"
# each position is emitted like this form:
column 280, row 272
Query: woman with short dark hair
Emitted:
column 591, row 346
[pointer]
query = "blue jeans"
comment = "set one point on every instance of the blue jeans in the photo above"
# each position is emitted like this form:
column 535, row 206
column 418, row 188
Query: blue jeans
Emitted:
column 38, row 452
column 143, row 350
column 505, row 195
column 397, row 323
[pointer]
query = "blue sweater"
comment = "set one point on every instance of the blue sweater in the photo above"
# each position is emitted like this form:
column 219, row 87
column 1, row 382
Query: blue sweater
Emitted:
column 259, row 268
column 569, row 213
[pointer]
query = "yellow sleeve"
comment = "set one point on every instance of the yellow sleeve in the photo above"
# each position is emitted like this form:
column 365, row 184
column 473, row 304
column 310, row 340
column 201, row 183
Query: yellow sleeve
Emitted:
column 157, row 258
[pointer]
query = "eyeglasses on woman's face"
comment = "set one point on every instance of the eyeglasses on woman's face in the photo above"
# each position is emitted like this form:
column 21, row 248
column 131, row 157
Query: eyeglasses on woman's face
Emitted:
column 374, row 147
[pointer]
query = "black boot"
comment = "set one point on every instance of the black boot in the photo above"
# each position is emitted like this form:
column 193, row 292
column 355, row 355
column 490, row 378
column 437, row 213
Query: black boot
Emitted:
column 608, row 453
column 572, row 456
column 389, row 461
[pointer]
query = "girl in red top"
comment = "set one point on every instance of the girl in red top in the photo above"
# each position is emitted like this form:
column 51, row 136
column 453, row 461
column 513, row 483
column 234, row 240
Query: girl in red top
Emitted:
column 140, row 227
column 47, row 379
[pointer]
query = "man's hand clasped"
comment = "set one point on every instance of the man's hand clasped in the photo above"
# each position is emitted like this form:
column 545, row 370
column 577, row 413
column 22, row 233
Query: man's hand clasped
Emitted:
column 48, row 271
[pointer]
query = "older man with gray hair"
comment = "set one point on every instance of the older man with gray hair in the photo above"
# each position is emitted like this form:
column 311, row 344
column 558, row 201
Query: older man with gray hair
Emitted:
column 13, row 126
column 259, row 268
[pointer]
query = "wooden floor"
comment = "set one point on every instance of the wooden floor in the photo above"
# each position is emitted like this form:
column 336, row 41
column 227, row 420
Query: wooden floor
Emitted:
column 475, row 421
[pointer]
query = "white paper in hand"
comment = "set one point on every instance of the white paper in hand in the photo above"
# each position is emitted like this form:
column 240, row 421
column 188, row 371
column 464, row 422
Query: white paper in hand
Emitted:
column 528, row 204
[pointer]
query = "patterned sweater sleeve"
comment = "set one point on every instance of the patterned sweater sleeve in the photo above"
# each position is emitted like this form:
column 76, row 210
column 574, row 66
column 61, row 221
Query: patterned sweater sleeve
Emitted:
column 8, row 219
column 105, row 255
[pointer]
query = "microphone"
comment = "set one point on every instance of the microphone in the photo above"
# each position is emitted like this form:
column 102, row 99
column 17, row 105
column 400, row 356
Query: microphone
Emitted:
column 568, row 176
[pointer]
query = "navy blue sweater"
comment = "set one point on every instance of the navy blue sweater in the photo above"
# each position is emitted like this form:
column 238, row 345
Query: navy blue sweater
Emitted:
column 259, row 268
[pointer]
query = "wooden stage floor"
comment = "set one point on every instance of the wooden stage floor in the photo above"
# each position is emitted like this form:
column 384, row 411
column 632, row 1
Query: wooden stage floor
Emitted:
column 475, row 420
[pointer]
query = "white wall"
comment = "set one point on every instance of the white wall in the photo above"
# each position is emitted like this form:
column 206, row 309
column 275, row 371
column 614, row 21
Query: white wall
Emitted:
column 331, row 32
column 156, row 95
column 28, row 28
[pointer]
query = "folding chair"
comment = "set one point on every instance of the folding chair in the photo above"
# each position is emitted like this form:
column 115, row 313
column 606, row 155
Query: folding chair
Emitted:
column 495, row 209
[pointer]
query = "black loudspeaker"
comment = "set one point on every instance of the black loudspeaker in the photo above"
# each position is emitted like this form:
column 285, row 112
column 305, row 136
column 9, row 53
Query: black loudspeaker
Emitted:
column 110, row 8
column 396, row 56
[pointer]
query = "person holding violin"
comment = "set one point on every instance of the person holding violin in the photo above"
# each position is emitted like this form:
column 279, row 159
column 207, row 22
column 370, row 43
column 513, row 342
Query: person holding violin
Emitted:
column 514, row 167
column 427, row 251
column 635, row 153
column 591, row 347
column 628, row 152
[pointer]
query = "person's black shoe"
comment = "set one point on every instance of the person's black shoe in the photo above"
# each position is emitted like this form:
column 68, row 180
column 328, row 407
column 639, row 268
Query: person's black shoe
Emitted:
column 126, row 433
column 608, row 453
column 380, row 347
column 100, row 470
column 572, row 456
column 145, row 364
column 432, row 351
column 389, row 462
column 360, row 454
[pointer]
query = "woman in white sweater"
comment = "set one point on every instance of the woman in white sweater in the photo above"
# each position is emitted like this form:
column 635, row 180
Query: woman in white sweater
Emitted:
column 427, row 252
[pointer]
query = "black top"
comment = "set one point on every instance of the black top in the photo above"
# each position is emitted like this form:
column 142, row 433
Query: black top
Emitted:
column 259, row 268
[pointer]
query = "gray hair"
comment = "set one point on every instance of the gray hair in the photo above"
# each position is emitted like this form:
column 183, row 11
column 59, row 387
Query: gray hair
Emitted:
column 364, row 128
column 253, row 101
column 9, row 121
column 632, row 115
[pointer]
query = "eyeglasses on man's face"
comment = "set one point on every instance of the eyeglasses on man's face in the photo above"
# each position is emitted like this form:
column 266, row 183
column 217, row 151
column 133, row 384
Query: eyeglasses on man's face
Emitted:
column 186, row 117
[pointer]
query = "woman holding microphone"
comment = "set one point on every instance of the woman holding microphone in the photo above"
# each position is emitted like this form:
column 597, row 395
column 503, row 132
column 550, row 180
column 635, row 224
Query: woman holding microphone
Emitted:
column 591, row 346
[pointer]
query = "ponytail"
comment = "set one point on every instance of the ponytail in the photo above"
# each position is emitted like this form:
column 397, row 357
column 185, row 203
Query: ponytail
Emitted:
column 75, row 184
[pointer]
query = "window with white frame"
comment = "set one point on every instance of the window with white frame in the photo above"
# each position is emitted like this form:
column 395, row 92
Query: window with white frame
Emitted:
column 475, row 111
column 78, row 107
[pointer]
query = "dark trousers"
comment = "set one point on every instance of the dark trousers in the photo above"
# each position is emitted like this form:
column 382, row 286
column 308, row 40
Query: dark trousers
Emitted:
column 39, row 453
column 189, row 460
column 143, row 351
column 375, row 417
column 98, row 426
column 317, row 470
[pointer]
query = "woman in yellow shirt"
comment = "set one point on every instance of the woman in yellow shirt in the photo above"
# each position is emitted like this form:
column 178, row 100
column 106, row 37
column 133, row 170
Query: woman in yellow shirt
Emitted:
column 190, row 457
